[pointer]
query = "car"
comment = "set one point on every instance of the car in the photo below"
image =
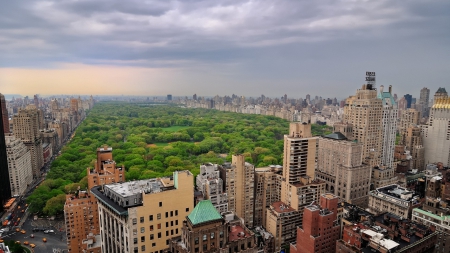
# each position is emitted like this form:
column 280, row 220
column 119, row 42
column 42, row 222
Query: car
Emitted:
column 44, row 239
column 17, row 229
column 32, row 245
column 32, row 235
column 18, row 242
column 15, row 223
column 23, row 231
column 22, row 211
column 2, row 230
column 26, row 243
column 1, row 241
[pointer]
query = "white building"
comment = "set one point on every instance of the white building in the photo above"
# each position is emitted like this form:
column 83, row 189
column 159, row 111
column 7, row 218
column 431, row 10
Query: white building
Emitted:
column 19, row 165
column 389, row 124
column 436, row 133
column 211, row 186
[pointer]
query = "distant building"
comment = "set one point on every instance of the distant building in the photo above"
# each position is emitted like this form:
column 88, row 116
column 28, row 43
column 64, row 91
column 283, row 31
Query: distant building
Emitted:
column 413, row 142
column 320, row 227
column 19, row 165
column 436, row 133
column 239, row 178
column 144, row 215
column 408, row 118
column 169, row 97
column 408, row 98
column 211, row 186
column 5, row 189
column 424, row 101
column 205, row 230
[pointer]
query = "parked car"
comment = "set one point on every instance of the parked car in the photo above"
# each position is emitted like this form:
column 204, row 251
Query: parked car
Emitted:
column 32, row 245
column 44, row 239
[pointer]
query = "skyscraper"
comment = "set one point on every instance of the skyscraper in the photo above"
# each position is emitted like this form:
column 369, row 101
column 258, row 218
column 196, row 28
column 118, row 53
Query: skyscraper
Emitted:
column 408, row 98
column 26, row 128
column 436, row 133
column 389, row 123
column 424, row 101
column 5, row 187
column 19, row 165
column 210, row 185
column 5, row 118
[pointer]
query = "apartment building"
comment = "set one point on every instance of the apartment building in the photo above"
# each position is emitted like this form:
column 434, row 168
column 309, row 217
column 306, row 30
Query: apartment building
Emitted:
column 19, row 165
column 142, row 216
column 211, row 186
column 412, row 139
column 282, row 222
column 267, row 191
column 389, row 126
column 394, row 199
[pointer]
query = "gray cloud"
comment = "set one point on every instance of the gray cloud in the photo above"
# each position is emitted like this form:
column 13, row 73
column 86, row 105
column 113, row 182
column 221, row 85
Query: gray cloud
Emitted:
column 290, row 44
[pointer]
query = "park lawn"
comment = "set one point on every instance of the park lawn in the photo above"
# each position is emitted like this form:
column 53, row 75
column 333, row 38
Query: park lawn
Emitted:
column 161, row 144
column 174, row 128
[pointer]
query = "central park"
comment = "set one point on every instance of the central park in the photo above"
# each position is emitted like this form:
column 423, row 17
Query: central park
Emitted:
column 152, row 140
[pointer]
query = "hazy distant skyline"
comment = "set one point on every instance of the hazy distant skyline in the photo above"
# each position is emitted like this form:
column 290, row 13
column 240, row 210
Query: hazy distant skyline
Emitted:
column 222, row 47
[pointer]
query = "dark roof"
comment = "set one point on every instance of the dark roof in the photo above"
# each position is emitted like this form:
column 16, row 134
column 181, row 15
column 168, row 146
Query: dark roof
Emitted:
column 204, row 211
column 109, row 202
column 336, row 136
column 441, row 90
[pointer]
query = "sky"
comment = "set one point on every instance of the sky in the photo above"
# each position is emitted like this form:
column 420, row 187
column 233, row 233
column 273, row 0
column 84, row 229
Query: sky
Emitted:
column 221, row 47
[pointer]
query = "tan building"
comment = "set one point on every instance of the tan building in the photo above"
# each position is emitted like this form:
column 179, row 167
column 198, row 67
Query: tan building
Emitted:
column 409, row 117
column 142, row 216
column 267, row 191
column 239, row 179
column 340, row 165
column 412, row 140
column 382, row 176
column 282, row 222
column 393, row 199
column 19, row 165
column 206, row 230
column 211, row 186
column 81, row 208
column 364, row 112
column 436, row 133
column 26, row 128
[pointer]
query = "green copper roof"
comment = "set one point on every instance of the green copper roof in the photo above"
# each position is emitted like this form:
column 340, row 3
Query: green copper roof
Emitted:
column 204, row 212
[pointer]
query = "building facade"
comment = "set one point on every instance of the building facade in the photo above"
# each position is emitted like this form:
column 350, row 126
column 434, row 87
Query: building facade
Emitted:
column 142, row 216
column 341, row 166
column 5, row 189
column 394, row 199
column 436, row 133
column 19, row 165
column 389, row 124
column 413, row 142
column 267, row 191
column 211, row 186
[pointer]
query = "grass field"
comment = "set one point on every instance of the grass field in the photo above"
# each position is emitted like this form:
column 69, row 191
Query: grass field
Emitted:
column 175, row 128
column 161, row 144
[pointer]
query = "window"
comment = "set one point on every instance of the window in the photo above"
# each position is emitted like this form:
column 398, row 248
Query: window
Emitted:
column 134, row 221
column 142, row 238
column 171, row 213
column 151, row 236
column 151, row 227
column 159, row 226
column 176, row 212
column 135, row 240
column 159, row 235
column 212, row 235
column 167, row 242
column 204, row 237
column 142, row 230
column 187, row 209
column 167, row 232
column 141, row 219
column 150, row 217
column 176, row 222
column 154, row 244
column 196, row 240
column 160, row 204
column 167, row 224
column 167, row 214
column 143, row 248
column 158, row 216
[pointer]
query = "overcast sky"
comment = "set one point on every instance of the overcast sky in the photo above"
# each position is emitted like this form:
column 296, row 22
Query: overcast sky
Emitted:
column 148, row 47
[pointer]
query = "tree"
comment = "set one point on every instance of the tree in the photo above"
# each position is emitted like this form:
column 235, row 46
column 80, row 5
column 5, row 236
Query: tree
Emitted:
column 55, row 204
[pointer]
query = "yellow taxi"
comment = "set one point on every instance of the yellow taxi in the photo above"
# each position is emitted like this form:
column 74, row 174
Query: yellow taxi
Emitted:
column 1, row 240
column 23, row 231
column 26, row 243
column 17, row 229
column 18, row 242
column 44, row 239
column 32, row 245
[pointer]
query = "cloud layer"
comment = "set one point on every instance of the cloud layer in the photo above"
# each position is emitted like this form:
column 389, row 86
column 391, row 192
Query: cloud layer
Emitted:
column 235, row 46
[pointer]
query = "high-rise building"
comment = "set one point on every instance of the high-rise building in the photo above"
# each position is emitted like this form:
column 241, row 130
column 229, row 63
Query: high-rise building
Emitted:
column 5, row 118
column 26, row 128
column 169, row 97
column 206, row 230
column 299, row 187
column 239, row 179
column 413, row 142
column 436, row 133
column 408, row 98
column 142, row 216
column 267, row 191
column 364, row 112
column 211, row 186
column 409, row 117
column 282, row 222
column 19, row 165
column 424, row 101
column 81, row 208
column 340, row 165
column 320, row 227
column 5, row 188
column 389, row 124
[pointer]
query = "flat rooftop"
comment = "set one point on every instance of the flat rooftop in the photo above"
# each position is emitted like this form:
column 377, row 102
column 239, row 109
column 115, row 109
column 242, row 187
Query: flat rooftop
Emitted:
column 237, row 232
column 281, row 207
column 135, row 187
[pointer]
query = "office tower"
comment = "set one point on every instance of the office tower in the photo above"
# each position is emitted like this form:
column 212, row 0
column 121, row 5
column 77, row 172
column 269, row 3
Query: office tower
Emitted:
column 205, row 230
column 282, row 222
column 320, row 227
column 267, row 191
column 26, row 128
column 169, row 97
column 402, row 106
column 412, row 140
column 408, row 118
column 340, row 165
column 81, row 208
column 142, row 216
column 424, row 101
column 5, row 187
column 436, row 133
column 364, row 112
column 19, row 165
column 408, row 98
column 194, row 97
column 5, row 118
column 239, row 178
column 211, row 186
column 389, row 124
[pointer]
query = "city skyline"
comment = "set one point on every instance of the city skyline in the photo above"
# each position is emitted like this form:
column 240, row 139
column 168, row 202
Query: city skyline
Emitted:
column 221, row 47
